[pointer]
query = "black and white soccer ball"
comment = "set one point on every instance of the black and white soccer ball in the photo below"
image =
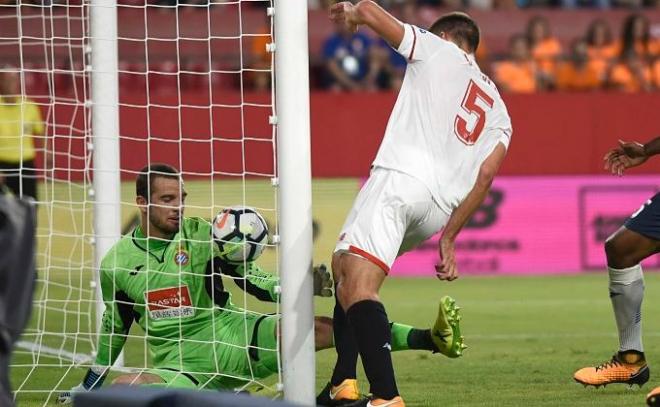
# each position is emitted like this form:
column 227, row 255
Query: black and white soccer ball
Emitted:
column 241, row 233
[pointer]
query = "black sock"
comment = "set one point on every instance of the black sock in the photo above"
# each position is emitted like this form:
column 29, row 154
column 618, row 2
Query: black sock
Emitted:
column 345, row 345
column 631, row 356
column 421, row 339
column 372, row 332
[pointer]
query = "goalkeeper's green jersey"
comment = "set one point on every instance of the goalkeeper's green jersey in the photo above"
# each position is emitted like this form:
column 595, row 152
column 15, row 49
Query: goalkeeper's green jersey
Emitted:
column 174, row 291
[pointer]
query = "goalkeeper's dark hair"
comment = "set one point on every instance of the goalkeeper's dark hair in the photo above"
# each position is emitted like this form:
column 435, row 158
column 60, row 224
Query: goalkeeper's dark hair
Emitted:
column 461, row 27
column 147, row 175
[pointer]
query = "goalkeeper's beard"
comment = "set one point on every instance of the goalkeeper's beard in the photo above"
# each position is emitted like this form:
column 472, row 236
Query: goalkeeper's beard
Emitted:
column 164, row 227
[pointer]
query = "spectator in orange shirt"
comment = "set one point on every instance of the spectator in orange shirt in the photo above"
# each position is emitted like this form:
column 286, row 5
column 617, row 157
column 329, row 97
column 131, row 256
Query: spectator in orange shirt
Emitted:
column 578, row 73
column 636, row 33
column 630, row 73
column 602, row 49
column 518, row 73
column 545, row 48
column 656, row 73
column 261, row 58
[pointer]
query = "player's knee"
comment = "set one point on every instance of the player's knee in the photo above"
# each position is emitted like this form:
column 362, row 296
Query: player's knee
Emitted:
column 618, row 253
column 323, row 332
column 349, row 294
column 137, row 379
column 128, row 380
column 615, row 254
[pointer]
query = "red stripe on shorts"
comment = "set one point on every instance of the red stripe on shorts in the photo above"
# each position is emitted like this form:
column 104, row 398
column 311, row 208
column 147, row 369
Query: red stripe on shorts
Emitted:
column 368, row 256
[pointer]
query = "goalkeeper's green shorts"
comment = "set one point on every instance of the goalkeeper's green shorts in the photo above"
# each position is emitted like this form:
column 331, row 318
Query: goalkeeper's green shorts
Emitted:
column 238, row 361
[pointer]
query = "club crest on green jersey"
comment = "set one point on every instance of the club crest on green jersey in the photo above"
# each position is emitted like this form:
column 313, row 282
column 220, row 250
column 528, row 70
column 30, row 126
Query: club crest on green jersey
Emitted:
column 181, row 257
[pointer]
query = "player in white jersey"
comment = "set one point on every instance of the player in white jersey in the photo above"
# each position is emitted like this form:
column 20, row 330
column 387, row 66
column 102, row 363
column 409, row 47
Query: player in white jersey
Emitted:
column 445, row 140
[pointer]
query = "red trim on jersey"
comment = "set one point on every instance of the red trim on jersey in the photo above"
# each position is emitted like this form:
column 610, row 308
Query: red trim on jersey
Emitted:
column 412, row 51
column 370, row 257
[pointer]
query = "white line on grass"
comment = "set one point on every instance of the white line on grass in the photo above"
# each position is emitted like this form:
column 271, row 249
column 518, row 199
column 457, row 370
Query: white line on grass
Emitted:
column 567, row 335
column 76, row 358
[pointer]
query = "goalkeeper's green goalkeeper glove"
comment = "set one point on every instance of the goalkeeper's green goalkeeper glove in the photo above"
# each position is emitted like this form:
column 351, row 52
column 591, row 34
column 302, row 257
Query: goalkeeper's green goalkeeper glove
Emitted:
column 93, row 380
column 322, row 281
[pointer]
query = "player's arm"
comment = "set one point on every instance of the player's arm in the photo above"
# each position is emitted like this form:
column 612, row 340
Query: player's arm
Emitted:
column 116, row 322
column 253, row 280
column 630, row 154
column 117, row 319
column 651, row 148
column 368, row 13
column 447, row 270
column 265, row 286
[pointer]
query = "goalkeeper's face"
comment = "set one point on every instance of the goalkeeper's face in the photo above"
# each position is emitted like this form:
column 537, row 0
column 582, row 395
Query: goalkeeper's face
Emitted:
column 166, row 205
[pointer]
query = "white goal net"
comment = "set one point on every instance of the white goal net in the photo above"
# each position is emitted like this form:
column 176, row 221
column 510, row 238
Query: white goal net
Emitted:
column 196, row 91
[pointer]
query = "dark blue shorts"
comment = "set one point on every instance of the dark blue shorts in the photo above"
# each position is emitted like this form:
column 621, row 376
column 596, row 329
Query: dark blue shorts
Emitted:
column 646, row 221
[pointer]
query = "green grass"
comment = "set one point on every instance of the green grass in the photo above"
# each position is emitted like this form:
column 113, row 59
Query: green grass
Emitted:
column 526, row 335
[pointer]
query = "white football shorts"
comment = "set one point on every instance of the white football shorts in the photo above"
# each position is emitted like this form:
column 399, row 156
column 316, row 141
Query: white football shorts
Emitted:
column 392, row 214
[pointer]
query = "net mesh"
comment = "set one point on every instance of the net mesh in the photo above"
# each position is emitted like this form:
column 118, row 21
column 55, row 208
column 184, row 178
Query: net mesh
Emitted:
column 195, row 92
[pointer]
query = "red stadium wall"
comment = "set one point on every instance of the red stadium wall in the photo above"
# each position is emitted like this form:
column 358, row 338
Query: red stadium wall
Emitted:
column 554, row 134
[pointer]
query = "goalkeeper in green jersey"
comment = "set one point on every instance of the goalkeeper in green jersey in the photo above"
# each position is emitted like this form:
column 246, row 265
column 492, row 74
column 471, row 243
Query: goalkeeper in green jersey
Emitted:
column 167, row 277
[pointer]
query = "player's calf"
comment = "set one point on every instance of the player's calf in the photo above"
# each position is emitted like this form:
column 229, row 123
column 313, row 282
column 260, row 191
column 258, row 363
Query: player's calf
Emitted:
column 323, row 335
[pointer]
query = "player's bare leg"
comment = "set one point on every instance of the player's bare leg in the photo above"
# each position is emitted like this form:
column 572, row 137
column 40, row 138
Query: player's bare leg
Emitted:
column 625, row 249
column 135, row 379
column 323, row 333
column 357, row 292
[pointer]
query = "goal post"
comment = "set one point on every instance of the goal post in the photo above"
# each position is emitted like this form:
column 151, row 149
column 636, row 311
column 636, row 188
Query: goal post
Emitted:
column 219, row 90
column 106, row 171
column 295, row 200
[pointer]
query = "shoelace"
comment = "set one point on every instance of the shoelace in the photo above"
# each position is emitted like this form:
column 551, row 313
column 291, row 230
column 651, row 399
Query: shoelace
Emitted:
column 610, row 363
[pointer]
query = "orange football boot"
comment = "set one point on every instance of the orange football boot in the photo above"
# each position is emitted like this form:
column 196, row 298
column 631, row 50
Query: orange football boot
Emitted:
column 622, row 368
column 395, row 402
column 346, row 393
column 653, row 398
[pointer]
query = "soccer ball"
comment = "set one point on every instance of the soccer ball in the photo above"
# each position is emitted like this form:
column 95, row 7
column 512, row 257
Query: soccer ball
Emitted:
column 241, row 234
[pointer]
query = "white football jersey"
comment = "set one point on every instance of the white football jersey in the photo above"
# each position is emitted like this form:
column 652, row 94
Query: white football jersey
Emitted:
column 447, row 119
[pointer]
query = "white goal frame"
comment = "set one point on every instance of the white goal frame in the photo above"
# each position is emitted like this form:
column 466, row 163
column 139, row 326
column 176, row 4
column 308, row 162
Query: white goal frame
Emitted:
column 295, row 200
column 293, row 176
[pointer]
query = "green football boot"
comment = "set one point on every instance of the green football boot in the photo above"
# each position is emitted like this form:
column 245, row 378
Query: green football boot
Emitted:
column 446, row 332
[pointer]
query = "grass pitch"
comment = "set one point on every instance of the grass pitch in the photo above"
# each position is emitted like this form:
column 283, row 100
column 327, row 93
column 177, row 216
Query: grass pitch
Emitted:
column 526, row 335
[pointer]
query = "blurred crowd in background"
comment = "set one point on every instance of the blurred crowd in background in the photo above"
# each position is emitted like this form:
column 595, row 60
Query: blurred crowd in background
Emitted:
column 586, row 50
column 535, row 60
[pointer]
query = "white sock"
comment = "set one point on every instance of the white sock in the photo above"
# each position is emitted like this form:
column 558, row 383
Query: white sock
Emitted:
column 626, row 294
